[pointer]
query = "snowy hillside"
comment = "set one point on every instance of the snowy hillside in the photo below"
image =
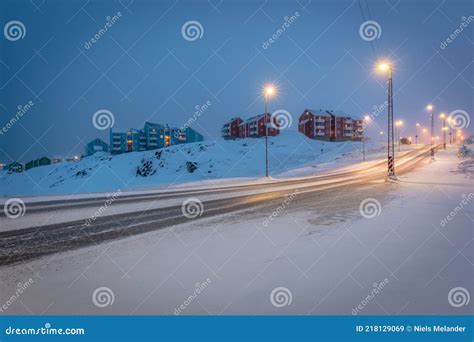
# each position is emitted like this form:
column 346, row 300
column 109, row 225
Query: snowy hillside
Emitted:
column 209, row 160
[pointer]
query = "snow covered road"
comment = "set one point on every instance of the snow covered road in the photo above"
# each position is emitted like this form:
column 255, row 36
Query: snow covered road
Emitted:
column 322, row 254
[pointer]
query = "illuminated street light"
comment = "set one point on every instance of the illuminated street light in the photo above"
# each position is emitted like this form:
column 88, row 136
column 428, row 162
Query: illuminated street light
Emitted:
column 384, row 66
column 365, row 121
column 268, row 91
column 443, row 117
column 398, row 124
column 430, row 109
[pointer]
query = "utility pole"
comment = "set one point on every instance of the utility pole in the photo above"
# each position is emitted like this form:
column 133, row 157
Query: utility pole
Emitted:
column 266, row 135
column 430, row 108
column 390, row 147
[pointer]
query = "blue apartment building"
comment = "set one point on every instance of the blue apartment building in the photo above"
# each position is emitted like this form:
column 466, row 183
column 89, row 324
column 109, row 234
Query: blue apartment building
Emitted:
column 151, row 137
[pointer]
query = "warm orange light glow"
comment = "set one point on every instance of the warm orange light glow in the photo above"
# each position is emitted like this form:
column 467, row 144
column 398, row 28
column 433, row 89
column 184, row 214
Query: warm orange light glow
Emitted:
column 429, row 107
column 269, row 90
column 383, row 66
column 442, row 115
column 399, row 123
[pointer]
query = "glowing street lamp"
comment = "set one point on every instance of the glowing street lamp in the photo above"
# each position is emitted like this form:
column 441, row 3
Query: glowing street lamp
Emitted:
column 430, row 109
column 268, row 91
column 398, row 124
column 387, row 67
column 365, row 121
column 443, row 117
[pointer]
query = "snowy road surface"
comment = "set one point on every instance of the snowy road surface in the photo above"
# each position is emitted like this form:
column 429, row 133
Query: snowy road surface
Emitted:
column 381, row 248
column 20, row 244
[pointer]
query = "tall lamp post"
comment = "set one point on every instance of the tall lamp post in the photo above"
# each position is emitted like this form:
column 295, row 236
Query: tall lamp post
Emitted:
column 390, row 149
column 416, row 131
column 443, row 117
column 398, row 124
column 365, row 121
column 268, row 91
column 450, row 130
column 430, row 109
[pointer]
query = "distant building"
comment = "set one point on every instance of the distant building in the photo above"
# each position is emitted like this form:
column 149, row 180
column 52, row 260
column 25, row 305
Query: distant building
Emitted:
column 253, row 127
column 96, row 145
column 231, row 129
column 326, row 125
column 14, row 167
column 2, row 166
column 151, row 137
column 37, row 162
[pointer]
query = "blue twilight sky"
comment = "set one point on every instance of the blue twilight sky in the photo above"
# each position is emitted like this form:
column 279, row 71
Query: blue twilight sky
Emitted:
column 143, row 69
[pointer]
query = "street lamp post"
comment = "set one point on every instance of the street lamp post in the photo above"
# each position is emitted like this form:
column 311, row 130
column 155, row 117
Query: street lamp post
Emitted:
column 268, row 91
column 416, row 135
column 443, row 116
column 398, row 124
column 430, row 109
column 390, row 147
column 365, row 121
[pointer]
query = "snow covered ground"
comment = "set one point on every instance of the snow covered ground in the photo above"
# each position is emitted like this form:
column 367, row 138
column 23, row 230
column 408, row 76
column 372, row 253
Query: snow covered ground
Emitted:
column 197, row 164
column 305, row 255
